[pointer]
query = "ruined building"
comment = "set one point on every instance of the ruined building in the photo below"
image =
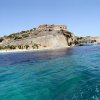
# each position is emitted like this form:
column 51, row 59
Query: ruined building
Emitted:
column 52, row 27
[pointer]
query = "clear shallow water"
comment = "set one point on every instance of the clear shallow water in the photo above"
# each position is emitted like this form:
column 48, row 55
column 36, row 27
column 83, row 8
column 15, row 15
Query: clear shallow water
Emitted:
column 68, row 74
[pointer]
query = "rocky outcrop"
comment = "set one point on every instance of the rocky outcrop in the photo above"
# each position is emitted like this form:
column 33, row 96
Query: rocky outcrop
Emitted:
column 97, row 39
column 87, row 40
column 55, row 39
column 45, row 36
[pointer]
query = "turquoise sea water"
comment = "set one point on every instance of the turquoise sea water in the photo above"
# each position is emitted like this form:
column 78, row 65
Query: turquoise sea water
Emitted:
column 68, row 74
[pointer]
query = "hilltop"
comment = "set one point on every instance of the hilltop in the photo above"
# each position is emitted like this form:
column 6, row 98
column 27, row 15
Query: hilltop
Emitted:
column 44, row 37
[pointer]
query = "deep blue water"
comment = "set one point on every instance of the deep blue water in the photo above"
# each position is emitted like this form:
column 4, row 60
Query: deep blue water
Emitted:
column 68, row 74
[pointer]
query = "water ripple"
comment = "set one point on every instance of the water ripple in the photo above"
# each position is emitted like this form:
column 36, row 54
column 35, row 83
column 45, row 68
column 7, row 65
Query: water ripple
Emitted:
column 68, row 74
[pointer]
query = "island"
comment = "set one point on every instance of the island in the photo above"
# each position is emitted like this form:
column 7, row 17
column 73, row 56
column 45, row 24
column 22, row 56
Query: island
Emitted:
column 44, row 37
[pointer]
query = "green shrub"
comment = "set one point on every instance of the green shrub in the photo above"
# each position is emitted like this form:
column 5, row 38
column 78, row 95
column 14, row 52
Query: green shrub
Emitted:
column 17, row 37
column 9, row 47
column 6, row 47
column 34, row 28
column 35, row 46
column 31, row 30
column 11, row 36
column 1, row 47
column 26, row 46
column 23, row 32
column 25, row 35
column 20, row 47
column 1, row 39
column 12, row 47
column 50, row 29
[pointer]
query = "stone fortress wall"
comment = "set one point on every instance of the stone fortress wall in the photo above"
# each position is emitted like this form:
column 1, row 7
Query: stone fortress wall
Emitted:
column 52, row 27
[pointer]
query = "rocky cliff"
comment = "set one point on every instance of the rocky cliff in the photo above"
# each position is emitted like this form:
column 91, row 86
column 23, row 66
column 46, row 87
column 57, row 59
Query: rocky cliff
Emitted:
column 45, row 36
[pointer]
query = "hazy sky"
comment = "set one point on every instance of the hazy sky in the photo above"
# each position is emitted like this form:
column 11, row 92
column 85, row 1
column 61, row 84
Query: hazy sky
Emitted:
column 81, row 16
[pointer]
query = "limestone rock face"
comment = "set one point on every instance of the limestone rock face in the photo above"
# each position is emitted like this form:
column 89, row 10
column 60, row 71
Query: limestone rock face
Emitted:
column 56, row 40
column 51, row 41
